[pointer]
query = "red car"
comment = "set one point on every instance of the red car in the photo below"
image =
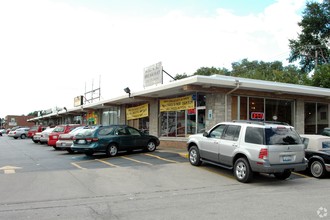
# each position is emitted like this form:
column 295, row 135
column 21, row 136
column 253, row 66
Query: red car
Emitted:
column 60, row 129
column 34, row 129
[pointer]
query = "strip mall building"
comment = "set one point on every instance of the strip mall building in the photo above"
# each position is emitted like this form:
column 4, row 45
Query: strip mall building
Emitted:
column 177, row 109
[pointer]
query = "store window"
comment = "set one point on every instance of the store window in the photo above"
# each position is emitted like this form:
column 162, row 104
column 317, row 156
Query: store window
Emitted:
column 256, row 108
column 316, row 117
column 252, row 108
column 279, row 110
column 110, row 116
column 138, row 117
column 189, row 119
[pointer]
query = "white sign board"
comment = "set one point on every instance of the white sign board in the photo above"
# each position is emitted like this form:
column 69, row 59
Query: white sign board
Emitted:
column 153, row 75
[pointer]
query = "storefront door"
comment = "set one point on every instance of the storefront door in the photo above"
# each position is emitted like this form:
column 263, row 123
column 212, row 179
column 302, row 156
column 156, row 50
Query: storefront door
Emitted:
column 200, row 119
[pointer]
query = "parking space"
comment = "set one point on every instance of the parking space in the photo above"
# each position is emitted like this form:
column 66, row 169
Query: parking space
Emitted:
column 129, row 160
column 31, row 157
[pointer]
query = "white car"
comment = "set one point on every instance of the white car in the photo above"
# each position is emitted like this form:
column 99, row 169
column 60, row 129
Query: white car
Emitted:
column 317, row 153
column 19, row 133
column 44, row 135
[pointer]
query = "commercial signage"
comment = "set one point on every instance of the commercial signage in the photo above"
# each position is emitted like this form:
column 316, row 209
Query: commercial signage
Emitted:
column 140, row 111
column 176, row 104
column 153, row 75
column 78, row 101
column 257, row 115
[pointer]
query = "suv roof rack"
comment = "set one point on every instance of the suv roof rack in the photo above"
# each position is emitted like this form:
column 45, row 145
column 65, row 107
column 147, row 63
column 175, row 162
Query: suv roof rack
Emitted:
column 260, row 122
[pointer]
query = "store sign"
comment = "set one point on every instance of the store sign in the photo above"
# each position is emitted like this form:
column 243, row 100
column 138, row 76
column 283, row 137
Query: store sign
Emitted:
column 176, row 104
column 153, row 75
column 257, row 115
column 140, row 111
column 78, row 101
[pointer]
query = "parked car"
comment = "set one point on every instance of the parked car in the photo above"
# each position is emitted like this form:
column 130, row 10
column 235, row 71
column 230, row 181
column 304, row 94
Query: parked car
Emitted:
column 318, row 154
column 43, row 139
column 66, row 140
column 326, row 132
column 60, row 129
column 34, row 129
column 249, row 147
column 111, row 139
column 19, row 133
column 2, row 131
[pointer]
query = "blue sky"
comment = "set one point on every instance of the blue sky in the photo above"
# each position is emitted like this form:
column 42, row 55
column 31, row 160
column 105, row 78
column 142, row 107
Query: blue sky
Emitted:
column 53, row 49
column 160, row 7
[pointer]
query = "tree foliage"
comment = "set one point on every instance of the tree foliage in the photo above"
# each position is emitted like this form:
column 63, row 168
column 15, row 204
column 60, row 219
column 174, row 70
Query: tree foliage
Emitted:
column 270, row 71
column 312, row 46
column 321, row 77
column 208, row 71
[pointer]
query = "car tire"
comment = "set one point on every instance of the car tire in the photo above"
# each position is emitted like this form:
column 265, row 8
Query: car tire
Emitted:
column 317, row 169
column 112, row 150
column 56, row 148
column 35, row 141
column 151, row 146
column 70, row 151
column 23, row 136
column 282, row 176
column 194, row 156
column 242, row 170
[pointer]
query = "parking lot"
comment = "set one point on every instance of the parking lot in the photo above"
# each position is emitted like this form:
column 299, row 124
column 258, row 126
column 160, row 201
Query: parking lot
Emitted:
column 39, row 182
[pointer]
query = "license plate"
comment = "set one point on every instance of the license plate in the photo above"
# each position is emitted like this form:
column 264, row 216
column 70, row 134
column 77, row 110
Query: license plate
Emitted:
column 81, row 141
column 63, row 144
column 287, row 158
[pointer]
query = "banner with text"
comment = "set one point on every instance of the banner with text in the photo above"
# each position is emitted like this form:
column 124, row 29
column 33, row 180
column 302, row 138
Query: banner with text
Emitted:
column 177, row 104
column 140, row 111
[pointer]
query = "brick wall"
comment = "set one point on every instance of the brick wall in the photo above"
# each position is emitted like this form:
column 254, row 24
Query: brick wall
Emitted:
column 20, row 121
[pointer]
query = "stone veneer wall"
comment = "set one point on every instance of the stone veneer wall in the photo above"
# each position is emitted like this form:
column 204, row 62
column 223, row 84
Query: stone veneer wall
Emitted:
column 299, row 122
column 153, row 118
column 216, row 103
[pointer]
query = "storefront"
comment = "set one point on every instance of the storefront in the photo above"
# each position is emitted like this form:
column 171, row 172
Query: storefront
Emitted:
column 192, row 105
column 182, row 116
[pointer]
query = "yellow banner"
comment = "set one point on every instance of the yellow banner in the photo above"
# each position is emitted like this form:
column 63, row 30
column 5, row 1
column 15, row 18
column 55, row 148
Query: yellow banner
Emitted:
column 177, row 104
column 140, row 111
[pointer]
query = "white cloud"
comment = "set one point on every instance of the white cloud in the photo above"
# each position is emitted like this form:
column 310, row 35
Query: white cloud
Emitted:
column 52, row 49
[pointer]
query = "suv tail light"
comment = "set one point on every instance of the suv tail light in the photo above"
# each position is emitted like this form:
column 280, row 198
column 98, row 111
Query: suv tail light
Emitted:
column 263, row 154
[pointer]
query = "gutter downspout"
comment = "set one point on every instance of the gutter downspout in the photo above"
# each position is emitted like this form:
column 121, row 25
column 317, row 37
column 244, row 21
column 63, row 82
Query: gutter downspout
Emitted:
column 237, row 83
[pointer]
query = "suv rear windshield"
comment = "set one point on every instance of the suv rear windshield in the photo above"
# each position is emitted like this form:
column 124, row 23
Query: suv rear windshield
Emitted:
column 272, row 136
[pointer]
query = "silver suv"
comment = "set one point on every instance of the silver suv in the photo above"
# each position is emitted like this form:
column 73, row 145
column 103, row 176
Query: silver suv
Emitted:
column 250, row 147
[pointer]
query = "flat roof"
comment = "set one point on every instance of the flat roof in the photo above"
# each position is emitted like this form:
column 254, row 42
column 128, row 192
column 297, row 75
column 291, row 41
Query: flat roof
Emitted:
column 175, row 88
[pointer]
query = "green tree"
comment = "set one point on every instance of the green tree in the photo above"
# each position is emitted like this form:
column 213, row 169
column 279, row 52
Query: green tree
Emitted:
column 321, row 76
column 180, row 76
column 312, row 46
column 270, row 71
column 208, row 71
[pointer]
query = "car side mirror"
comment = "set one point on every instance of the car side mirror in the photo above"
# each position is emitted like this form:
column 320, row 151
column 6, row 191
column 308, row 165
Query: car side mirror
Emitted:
column 205, row 134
